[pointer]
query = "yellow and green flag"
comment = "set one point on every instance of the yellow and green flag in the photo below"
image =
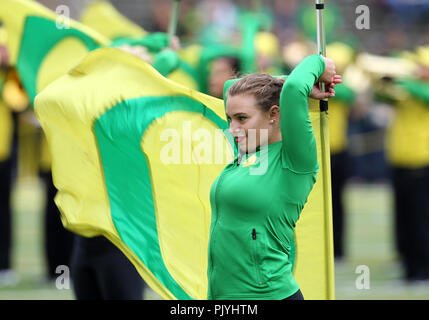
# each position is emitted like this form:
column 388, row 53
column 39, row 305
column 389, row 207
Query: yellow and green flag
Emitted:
column 42, row 44
column 134, row 156
column 131, row 158
column 103, row 17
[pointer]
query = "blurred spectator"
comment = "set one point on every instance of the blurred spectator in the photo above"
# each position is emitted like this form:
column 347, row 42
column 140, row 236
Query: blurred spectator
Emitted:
column 285, row 25
column 408, row 154
column 222, row 69
column 396, row 40
column 8, row 277
column 307, row 23
column 339, row 109
column 268, row 59
column 407, row 11
column 219, row 22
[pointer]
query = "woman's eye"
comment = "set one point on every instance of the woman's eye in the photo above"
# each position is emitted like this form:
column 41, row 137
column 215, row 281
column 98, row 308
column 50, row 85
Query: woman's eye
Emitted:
column 242, row 118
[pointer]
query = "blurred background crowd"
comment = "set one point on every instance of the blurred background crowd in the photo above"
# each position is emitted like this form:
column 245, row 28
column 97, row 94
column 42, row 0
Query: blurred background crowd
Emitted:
column 379, row 132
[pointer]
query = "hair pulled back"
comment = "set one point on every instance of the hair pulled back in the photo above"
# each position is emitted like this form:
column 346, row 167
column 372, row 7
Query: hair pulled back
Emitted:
column 265, row 88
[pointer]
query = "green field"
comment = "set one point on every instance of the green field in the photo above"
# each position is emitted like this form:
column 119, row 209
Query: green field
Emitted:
column 368, row 233
column 370, row 242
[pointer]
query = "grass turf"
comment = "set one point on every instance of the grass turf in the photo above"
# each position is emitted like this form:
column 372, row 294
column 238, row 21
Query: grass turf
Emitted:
column 369, row 241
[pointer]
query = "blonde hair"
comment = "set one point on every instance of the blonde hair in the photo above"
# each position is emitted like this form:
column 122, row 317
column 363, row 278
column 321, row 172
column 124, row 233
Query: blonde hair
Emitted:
column 265, row 88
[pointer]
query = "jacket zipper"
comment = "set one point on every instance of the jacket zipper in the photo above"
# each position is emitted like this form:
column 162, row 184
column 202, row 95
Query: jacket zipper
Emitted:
column 255, row 255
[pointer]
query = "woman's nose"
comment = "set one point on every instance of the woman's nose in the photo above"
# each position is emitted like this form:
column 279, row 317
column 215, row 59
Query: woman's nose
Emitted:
column 233, row 128
column 236, row 130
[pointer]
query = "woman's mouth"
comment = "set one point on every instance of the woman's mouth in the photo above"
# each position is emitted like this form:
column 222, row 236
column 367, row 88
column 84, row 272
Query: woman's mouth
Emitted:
column 240, row 139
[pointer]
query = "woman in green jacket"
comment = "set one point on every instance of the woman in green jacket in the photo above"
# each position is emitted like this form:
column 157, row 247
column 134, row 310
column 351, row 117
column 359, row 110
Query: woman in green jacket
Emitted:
column 258, row 197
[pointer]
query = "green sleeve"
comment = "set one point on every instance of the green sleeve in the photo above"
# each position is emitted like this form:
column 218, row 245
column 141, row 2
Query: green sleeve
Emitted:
column 344, row 93
column 153, row 42
column 417, row 89
column 166, row 62
column 299, row 143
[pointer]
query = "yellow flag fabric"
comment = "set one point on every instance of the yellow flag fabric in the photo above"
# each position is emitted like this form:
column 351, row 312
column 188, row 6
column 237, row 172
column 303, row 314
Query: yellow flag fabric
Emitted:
column 134, row 156
column 42, row 44
column 162, row 230
column 314, row 256
column 6, row 122
column 105, row 19
column 6, row 129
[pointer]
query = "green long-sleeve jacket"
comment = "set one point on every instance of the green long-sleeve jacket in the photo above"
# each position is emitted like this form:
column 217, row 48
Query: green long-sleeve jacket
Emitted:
column 257, row 201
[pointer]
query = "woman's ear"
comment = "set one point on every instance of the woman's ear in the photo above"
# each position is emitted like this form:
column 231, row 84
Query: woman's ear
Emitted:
column 274, row 113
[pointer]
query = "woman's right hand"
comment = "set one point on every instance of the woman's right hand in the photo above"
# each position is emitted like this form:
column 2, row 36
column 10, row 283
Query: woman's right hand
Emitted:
column 329, row 73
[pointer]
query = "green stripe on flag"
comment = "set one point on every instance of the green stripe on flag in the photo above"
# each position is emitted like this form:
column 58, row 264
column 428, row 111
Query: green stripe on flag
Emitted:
column 33, row 50
column 119, row 143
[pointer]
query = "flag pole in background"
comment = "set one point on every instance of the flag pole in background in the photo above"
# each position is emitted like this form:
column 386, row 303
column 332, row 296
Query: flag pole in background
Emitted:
column 174, row 18
column 325, row 156
column 257, row 5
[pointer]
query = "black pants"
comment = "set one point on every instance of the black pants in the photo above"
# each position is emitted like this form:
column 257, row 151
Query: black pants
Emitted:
column 339, row 175
column 296, row 296
column 5, row 214
column 100, row 271
column 411, row 198
column 58, row 241
column 7, row 169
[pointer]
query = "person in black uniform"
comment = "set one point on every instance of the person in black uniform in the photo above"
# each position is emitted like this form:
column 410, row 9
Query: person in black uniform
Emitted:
column 57, row 240
column 7, row 275
column 100, row 271
column 8, row 139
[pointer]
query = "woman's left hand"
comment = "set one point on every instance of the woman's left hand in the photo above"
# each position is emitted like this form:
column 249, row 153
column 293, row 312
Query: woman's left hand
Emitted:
column 317, row 93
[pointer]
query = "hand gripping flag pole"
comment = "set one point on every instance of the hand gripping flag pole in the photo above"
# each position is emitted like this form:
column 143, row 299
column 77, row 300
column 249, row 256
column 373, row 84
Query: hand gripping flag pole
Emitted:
column 325, row 154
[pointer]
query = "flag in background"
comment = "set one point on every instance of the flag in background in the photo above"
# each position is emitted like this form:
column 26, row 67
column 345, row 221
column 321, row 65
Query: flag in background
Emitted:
column 43, row 45
column 108, row 21
column 111, row 123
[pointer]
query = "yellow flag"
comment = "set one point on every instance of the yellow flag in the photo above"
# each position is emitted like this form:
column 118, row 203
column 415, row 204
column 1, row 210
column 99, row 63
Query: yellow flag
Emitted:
column 105, row 19
column 134, row 156
column 44, row 45
column 314, row 257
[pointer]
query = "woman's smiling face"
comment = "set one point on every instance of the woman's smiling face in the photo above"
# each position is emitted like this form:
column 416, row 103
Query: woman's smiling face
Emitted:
column 249, row 125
